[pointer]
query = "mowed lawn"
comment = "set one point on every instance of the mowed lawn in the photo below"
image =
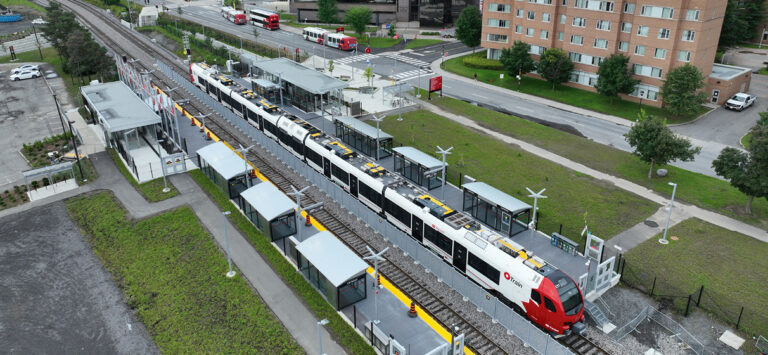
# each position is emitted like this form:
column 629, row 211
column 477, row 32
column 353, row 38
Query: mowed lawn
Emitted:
column 731, row 266
column 172, row 274
column 570, row 194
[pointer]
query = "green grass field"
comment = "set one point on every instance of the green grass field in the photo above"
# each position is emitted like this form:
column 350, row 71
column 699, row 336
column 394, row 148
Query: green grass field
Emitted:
column 378, row 42
column 24, row 3
column 420, row 42
column 565, row 94
column 151, row 190
column 344, row 334
column 695, row 188
column 510, row 169
column 172, row 276
column 731, row 266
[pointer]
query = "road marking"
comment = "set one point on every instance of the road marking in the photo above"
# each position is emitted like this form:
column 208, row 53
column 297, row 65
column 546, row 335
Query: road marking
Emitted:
column 480, row 96
column 415, row 53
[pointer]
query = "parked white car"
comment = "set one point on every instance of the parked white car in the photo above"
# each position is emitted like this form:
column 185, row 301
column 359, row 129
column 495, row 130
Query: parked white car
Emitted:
column 26, row 74
column 25, row 67
column 740, row 101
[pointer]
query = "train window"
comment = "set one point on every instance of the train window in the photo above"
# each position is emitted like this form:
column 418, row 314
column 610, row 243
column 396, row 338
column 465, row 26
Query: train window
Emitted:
column 482, row 267
column 398, row 212
column 340, row 174
column 440, row 240
column 369, row 194
column 550, row 306
column 536, row 296
column 314, row 157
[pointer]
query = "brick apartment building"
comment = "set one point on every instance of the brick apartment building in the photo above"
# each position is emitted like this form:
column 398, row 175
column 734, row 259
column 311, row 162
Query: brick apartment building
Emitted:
column 657, row 36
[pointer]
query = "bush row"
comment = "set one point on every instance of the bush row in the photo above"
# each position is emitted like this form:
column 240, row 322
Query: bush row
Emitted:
column 480, row 62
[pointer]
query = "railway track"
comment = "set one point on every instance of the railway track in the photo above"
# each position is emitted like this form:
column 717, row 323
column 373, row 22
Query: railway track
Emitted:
column 436, row 305
column 581, row 345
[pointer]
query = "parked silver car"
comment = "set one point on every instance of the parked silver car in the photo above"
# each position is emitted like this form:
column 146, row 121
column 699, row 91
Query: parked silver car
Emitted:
column 25, row 67
column 26, row 74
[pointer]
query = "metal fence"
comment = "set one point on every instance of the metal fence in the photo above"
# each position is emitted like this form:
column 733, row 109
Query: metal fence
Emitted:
column 485, row 302
column 649, row 312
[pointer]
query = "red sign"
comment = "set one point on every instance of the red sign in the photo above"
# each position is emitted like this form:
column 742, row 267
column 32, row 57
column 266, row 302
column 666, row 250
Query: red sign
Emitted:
column 435, row 83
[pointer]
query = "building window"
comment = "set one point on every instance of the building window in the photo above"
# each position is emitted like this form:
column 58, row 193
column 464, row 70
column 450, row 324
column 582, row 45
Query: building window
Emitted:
column 560, row 36
column 545, row 2
column 660, row 53
column 544, row 34
column 545, row 17
column 646, row 92
column 601, row 43
column 629, row 8
column 529, row 32
column 579, row 22
column 499, row 8
column 576, row 39
column 642, row 31
column 518, row 29
column 575, row 57
column 692, row 15
column 603, row 25
column 656, row 11
column 689, row 35
column 623, row 46
column 563, row 18
column 519, row 13
column 492, row 37
column 626, row 27
column 580, row 4
column 684, row 56
column 565, row 3
column 646, row 70
column 605, row 6
column 531, row 15
column 537, row 50
column 492, row 22
column 639, row 50
column 664, row 33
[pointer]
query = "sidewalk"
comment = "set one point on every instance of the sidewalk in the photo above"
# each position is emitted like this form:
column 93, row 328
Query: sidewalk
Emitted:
column 638, row 233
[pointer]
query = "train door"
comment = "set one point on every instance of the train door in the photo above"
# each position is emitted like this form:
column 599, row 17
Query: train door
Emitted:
column 327, row 167
column 353, row 185
column 460, row 257
column 418, row 229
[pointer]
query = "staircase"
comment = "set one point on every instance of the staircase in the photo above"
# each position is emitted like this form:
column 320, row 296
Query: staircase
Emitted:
column 596, row 315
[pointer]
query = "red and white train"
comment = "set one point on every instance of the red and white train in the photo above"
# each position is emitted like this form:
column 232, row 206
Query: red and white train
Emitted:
column 549, row 297
column 236, row 16
column 265, row 18
column 324, row 37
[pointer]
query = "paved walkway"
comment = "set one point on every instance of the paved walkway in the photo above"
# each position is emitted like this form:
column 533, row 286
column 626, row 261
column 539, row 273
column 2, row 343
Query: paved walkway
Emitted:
column 299, row 320
column 639, row 233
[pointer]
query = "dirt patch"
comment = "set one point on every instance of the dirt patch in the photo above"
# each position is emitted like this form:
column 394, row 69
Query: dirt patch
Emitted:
column 163, row 41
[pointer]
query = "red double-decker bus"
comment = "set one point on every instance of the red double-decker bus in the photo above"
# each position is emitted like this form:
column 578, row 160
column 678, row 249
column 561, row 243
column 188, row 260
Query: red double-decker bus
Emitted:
column 265, row 18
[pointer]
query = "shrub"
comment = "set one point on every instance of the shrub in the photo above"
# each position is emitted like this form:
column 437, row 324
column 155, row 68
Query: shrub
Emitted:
column 430, row 33
column 480, row 62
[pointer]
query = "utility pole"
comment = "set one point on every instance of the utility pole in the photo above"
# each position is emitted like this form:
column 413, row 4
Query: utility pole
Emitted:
column 231, row 272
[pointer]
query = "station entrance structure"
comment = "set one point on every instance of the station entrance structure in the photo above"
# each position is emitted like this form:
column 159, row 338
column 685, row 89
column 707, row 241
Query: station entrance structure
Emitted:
column 418, row 167
column 225, row 168
column 270, row 211
column 335, row 270
column 495, row 208
column 363, row 137
column 307, row 89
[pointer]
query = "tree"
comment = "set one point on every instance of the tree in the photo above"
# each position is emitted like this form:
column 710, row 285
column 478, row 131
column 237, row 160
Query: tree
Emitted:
column 555, row 66
column 655, row 143
column 517, row 60
column 330, row 66
column 358, row 17
column 327, row 10
column 469, row 26
column 59, row 24
column 680, row 92
column 615, row 77
column 392, row 30
column 742, row 19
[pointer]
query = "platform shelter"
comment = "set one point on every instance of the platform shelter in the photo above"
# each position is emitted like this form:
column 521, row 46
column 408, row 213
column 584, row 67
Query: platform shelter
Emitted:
column 225, row 168
column 495, row 208
column 270, row 211
column 418, row 167
column 302, row 87
column 362, row 136
column 333, row 268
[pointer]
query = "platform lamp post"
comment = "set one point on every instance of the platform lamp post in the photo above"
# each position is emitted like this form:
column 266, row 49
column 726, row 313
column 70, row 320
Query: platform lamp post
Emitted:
column 77, row 155
column 202, row 122
column 536, row 196
column 664, row 240
column 377, row 120
column 162, row 165
column 243, row 152
column 231, row 272
column 298, row 193
column 443, row 152
column 376, row 258
column 320, row 325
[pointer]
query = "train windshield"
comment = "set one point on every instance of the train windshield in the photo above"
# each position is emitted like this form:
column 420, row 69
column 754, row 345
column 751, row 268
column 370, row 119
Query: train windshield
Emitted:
column 568, row 291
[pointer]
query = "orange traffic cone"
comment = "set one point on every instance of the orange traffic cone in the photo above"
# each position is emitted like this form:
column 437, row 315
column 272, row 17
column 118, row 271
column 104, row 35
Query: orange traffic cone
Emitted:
column 208, row 135
column 412, row 312
column 202, row 129
column 378, row 279
column 309, row 220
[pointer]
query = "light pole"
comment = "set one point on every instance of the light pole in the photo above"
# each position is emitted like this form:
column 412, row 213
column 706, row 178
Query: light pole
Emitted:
column 243, row 152
column 376, row 258
column 40, row 21
column 536, row 196
column 377, row 120
column 174, row 135
column 298, row 194
column 320, row 325
column 162, row 165
column 640, row 107
column 77, row 155
column 444, row 152
column 231, row 272
column 202, row 122
column 664, row 240
column 759, row 46
column 280, row 80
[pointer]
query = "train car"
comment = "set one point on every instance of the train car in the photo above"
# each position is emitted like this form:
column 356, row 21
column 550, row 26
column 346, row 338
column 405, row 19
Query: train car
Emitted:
column 232, row 15
column 265, row 18
column 341, row 41
column 314, row 34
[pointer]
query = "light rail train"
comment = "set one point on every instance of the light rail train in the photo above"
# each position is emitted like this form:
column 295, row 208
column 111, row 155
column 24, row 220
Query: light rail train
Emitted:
column 525, row 282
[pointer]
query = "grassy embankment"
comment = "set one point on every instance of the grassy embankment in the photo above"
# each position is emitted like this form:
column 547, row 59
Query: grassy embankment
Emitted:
column 151, row 190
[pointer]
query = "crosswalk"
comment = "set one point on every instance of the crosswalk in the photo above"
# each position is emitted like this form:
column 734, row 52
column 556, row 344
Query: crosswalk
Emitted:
column 412, row 74
column 355, row 58
column 409, row 60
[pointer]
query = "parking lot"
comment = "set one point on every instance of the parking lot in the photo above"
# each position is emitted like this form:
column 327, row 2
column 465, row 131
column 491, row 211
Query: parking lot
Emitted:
column 27, row 114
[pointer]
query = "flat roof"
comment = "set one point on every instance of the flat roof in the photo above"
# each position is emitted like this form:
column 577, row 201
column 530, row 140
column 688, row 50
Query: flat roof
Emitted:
column 726, row 72
column 496, row 196
column 362, row 127
column 264, row 83
column 301, row 76
column 119, row 107
column 332, row 258
column 268, row 200
column 419, row 157
column 222, row 159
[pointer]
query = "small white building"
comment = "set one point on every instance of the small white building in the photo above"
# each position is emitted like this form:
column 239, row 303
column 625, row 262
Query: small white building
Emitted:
column 148, row 16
